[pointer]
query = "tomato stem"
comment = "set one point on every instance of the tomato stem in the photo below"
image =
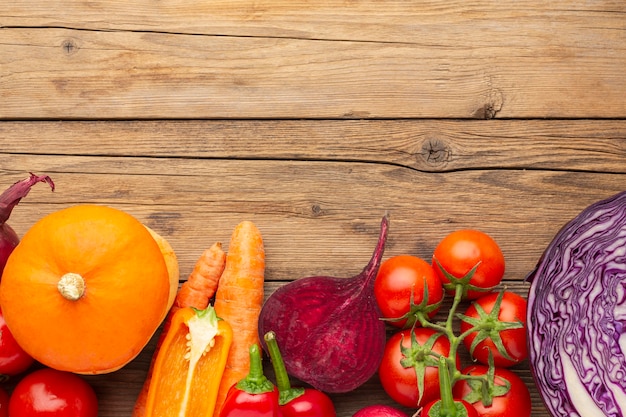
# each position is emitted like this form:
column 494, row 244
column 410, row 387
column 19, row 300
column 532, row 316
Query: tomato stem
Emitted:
column 453, row 374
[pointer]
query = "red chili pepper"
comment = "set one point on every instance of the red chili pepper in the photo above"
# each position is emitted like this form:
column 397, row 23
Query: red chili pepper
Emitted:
column 253, row 396
column 296, row 402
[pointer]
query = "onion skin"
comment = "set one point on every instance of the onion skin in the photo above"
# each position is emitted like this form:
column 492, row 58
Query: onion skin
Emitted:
column 329, row 329
column 8, row 241
column 577, row 314
column 8, row 200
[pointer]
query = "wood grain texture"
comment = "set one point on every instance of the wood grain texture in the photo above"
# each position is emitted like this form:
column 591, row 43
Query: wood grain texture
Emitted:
column 334, row 60
column 421, row 145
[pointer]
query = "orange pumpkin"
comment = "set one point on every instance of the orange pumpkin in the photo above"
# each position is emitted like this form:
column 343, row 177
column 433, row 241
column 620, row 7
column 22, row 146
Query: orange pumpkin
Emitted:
column 171, row 261
column 85, row 289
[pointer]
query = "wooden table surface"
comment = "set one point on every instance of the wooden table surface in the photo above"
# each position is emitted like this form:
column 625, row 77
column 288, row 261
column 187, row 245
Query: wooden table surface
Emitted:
column 313, row 119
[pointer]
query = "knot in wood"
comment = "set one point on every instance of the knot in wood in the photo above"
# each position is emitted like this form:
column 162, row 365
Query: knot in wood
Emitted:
column 316, row 210
column 69, row 46
column 435, row 152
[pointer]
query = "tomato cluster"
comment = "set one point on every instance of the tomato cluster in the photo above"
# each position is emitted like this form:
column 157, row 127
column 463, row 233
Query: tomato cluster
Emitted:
column 421, row 364
column 40, row 391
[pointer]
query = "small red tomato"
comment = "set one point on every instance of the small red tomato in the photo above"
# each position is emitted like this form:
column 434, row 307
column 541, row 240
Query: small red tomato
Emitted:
column 398, row 370
column 464, row 409
column 48, row 392
column 401, row 277
column 462, row 250
column 512, row 310
column 515, row 403
column 13, row 359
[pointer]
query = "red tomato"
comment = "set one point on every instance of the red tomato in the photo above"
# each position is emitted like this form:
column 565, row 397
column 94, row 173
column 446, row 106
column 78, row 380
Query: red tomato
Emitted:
column 512, row 309
column 47, row 392
column 4, row 403
column 432, row 409
column 13, row 359
column 400, row 383
column 515, row 403
column 400, row 276
column 462, row 250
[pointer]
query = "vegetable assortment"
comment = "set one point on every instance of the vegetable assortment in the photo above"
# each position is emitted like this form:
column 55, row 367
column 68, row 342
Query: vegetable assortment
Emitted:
column 576, row 314
column 79, row 268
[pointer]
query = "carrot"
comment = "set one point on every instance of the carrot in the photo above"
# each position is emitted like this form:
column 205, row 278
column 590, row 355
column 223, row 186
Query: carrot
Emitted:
column 195, row 292
column 238, row 301
column 198, row 290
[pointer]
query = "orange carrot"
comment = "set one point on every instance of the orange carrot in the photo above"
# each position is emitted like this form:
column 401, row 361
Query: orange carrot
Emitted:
column 238, row 301
column 195, row 292
column 198, row 290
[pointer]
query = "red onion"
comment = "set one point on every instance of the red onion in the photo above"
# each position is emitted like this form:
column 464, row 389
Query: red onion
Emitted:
column 8, row 200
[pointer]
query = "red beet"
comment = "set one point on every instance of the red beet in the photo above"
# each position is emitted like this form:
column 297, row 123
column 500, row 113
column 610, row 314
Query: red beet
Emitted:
column 379, row 411
column 8, row 200
column 329, row 329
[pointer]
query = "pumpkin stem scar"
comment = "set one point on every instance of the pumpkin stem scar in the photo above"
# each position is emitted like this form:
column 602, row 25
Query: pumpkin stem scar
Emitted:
column 71, row 286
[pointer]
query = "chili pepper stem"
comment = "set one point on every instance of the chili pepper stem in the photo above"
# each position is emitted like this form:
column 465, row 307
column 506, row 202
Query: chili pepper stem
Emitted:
column 255, row 382
column 285, row 390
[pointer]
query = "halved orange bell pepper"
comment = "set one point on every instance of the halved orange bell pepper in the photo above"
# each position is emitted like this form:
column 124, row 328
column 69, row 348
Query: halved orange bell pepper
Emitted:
column 189, row 365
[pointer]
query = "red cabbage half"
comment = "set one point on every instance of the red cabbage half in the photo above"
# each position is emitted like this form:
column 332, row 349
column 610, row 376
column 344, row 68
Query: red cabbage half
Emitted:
column 577, row 314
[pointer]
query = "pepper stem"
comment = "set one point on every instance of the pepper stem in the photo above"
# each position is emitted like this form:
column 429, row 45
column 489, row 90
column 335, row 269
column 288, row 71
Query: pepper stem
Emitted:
column 285, row 391
column 255, row 382
column 71, row 286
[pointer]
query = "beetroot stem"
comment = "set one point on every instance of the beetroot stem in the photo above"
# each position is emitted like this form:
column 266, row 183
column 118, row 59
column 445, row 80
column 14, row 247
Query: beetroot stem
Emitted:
column 372, row 267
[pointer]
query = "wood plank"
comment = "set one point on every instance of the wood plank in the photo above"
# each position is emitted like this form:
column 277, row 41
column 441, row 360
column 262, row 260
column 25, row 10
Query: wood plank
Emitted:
column 453, row 61
column 457, row 24
column 302, row 204
column 423, row 145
